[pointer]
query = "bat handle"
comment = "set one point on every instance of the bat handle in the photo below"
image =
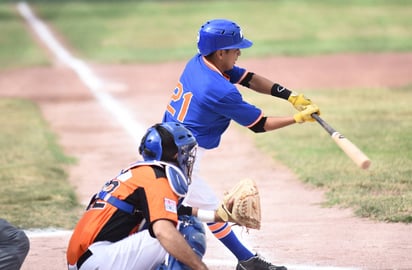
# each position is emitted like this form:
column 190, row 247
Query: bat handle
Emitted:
column 316, row 117
column 323, row 123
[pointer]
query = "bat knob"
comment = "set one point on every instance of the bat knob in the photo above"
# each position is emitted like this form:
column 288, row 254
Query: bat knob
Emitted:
column 366, row 164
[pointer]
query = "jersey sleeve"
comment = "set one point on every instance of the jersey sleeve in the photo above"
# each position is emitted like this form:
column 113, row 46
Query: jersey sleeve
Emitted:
column 236, row 74
column 234, row 107
column 162, row 203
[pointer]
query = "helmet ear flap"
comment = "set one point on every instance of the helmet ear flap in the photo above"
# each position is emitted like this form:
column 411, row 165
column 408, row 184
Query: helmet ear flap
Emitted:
column 148, row 153
column 143, row 150
column 151, row 145
column 142, row 144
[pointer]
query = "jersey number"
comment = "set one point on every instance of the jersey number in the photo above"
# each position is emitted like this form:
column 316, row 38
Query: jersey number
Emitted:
column 109, row 187
column 178, row 95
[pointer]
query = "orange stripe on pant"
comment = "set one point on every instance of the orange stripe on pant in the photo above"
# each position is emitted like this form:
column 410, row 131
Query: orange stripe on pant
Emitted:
column 220, row 230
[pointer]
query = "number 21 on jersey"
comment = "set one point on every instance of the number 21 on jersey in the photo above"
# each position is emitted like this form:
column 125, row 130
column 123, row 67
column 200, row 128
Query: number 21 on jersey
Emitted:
column 179, row 98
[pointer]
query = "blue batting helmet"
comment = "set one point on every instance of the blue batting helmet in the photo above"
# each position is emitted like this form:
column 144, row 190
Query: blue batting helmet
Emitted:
column 170, row 141
column 221, row 34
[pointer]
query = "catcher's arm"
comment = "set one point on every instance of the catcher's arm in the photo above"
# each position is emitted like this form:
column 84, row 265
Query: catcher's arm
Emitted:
column 203, row 215
column 241, row 205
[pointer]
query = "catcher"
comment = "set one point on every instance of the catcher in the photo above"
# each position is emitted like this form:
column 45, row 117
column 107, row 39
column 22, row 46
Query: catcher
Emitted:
column 131, row 222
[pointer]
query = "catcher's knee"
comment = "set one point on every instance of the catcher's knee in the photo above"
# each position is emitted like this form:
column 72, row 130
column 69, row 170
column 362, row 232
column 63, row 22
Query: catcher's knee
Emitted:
column 193, row 231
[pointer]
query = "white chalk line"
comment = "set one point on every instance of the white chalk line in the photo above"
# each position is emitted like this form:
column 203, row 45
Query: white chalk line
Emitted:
column 86, row 75
column 96, row 85
column 48, row 232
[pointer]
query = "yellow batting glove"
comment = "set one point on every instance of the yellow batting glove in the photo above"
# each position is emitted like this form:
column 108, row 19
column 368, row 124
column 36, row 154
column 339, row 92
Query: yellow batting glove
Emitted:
column 299, row 101
column 306, row 114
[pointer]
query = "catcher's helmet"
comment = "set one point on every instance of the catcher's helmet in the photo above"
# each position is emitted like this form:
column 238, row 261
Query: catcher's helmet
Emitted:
column 220, row 34
column 171, row 142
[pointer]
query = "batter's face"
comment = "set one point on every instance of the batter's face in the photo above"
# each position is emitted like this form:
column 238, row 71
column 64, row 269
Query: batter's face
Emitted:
column 229, row 58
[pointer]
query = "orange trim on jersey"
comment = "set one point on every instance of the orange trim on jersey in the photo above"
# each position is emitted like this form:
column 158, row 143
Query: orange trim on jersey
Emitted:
column 257, row 120
column 213, row 67
column 243, row 76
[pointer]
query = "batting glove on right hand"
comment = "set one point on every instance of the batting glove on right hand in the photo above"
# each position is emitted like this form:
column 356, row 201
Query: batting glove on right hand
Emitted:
column 306, row 114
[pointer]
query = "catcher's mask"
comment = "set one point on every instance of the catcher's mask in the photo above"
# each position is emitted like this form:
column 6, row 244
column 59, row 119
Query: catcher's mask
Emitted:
column 220, row 34
column 170, row 142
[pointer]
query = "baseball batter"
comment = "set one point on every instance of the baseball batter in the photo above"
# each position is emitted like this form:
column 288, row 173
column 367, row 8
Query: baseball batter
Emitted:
column 206, row 99
column 131, row 223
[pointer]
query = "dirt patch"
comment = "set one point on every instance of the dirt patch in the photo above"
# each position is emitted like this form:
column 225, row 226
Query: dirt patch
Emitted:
column 296, row 231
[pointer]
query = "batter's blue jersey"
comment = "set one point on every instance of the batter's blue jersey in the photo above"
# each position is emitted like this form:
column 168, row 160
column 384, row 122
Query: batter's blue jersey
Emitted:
column 205, row 101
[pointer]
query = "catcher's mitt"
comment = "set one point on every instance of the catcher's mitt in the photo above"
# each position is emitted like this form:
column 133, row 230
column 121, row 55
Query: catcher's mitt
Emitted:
column 241, row 205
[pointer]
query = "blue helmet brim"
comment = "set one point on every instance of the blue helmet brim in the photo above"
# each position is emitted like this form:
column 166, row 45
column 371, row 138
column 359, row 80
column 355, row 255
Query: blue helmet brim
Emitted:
column 244, row 44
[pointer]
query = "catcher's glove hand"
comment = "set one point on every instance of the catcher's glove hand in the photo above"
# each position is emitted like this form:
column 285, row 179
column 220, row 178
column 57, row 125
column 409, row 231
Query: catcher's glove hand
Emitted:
column 241, row 205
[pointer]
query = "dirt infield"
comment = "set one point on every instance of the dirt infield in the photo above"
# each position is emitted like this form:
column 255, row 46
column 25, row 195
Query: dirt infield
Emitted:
column 296, row 231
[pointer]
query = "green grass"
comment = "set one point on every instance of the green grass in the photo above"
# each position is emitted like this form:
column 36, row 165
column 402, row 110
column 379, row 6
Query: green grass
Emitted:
column 35, row 191
column 17, row 48
column 148, row 31
column 378, row 121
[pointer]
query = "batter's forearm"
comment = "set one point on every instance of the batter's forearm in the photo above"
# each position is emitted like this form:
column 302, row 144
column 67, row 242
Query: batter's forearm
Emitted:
column 273, row 123
column 261, row 84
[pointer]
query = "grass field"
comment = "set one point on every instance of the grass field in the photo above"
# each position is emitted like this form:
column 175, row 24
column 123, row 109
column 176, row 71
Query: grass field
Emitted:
column 147, row 31
column 132, row 32
column 17, row 48
column 35, row 192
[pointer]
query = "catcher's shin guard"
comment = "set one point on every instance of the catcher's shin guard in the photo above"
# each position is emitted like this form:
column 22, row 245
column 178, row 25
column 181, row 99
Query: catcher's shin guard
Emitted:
column 193, row 231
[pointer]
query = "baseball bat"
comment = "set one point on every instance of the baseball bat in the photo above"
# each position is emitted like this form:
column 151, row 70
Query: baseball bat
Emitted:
column 351, row 150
